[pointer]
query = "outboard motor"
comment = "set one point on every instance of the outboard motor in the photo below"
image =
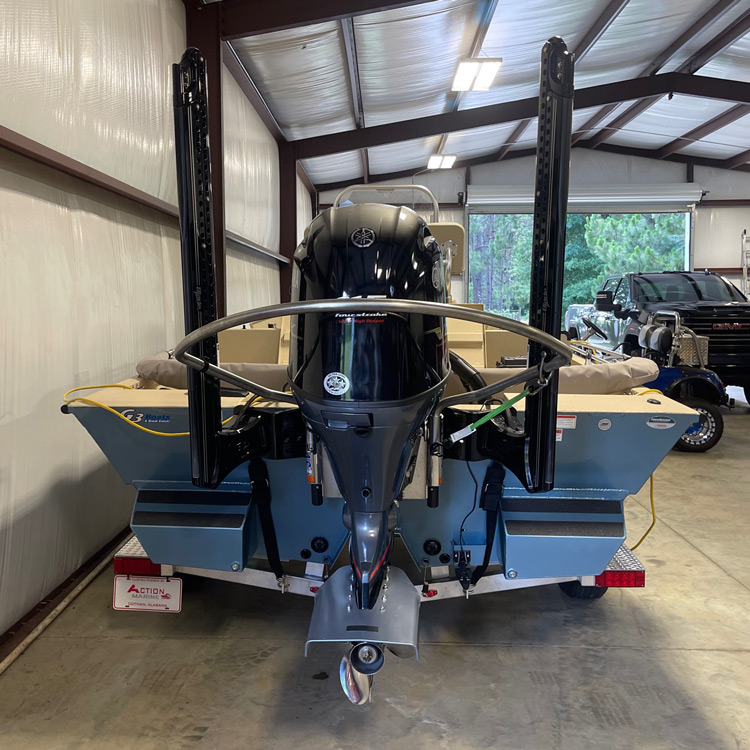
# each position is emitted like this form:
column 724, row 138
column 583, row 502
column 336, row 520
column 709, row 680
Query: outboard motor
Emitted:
column 366, row 383
column 368, row 364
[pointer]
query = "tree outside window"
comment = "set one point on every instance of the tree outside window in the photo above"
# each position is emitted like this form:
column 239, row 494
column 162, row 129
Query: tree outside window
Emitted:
column 597, row 246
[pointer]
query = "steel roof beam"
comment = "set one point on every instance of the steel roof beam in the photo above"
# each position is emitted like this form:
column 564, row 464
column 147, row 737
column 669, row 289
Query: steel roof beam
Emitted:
column 597, row 29
column 717, row 45
column 712, row 15
column 590, row 38
column 696, row 134
column 704, row 55
column 739, row 161
column 697, row 161
column 241, row 18
column 250, row 90
column 352, row 67
column 518, row 131
column 355, row 89
column 467, row 119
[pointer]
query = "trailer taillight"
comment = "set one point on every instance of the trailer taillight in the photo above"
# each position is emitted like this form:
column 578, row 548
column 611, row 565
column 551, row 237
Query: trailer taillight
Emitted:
column 136, row 566
column 622, row 578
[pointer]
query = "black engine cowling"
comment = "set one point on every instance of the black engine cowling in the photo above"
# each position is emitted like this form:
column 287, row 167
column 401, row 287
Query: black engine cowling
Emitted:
column 367, row 382
column 372, row 251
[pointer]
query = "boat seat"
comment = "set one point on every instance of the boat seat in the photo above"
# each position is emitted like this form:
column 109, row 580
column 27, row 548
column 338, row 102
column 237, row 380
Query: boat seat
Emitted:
column 614, row 377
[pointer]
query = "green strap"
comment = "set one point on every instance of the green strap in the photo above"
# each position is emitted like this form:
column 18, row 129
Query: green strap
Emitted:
column 500, row 409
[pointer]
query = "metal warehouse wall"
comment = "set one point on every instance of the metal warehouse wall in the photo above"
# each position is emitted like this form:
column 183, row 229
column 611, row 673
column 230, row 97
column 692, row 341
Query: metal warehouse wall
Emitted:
column 91, row 281
column 90, row 284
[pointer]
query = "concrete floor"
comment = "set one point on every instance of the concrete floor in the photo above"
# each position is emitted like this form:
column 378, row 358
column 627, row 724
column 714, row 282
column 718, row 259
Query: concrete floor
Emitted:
column 663, row 667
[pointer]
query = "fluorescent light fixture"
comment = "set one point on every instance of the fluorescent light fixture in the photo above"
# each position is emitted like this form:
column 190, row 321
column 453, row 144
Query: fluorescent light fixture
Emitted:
column 465, row 75
column 486, row 75
column 476, row 73
column 441, row 161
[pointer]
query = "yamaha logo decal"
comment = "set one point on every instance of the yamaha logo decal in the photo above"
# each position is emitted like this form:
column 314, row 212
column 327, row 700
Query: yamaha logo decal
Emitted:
column 363, row 237
column 336, row 383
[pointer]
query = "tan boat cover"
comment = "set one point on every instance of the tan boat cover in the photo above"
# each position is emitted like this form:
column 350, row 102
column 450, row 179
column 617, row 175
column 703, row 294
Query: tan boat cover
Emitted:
column 600, row 379
column 173, row 374
column 615, row 377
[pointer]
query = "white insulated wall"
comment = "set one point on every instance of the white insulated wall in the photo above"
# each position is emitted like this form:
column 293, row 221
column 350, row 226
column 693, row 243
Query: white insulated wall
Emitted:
column 91, row 282
column 717, row 236
column 91, row 79
column 251, row 200
column 252, row 280
column 304, row 209
column 251, row 170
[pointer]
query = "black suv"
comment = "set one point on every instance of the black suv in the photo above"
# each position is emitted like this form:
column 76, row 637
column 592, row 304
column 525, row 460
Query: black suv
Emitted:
column 707, row 303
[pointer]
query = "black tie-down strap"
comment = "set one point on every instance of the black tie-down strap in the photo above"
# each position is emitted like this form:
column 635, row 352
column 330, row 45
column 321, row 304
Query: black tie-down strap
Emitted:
column 261, row 498
column 492, row 494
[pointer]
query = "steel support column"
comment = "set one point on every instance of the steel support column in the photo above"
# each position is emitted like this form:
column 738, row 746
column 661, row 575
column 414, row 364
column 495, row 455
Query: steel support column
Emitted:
column 287, row 214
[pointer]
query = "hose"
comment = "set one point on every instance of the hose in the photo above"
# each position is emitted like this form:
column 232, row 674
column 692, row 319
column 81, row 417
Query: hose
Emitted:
column 469, row 376
column 653, row 518
column 91, row 402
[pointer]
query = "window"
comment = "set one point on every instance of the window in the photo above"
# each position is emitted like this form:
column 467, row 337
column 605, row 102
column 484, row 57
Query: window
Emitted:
column 716, row 289
column 677, row 287
column 622, row 297
column 598, row 246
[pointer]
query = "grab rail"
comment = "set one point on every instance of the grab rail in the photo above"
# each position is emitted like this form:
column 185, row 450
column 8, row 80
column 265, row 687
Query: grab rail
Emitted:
column 390, row 188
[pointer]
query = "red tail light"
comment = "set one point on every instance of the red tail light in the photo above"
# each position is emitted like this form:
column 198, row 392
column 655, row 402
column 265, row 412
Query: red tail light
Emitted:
column 622, row 578
column 136, row 566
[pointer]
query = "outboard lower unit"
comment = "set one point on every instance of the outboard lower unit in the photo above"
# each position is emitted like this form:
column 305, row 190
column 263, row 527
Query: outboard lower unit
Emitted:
column 366, row 381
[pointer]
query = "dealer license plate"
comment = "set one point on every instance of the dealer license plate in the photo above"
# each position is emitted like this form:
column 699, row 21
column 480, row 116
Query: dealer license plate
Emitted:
column 147, row 594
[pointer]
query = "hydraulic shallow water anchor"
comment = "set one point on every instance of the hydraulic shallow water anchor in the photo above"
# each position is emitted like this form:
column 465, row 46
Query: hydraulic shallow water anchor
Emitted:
column 548, row 251
column 369, row 361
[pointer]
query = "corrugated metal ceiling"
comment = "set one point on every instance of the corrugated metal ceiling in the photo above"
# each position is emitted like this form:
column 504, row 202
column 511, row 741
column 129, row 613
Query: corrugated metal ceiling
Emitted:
column 406, row 60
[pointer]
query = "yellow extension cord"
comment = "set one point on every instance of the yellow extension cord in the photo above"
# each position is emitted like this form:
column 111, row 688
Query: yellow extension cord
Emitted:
column 585, row 343
column 653, row 507
column 653, row 517
column 91, row 402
